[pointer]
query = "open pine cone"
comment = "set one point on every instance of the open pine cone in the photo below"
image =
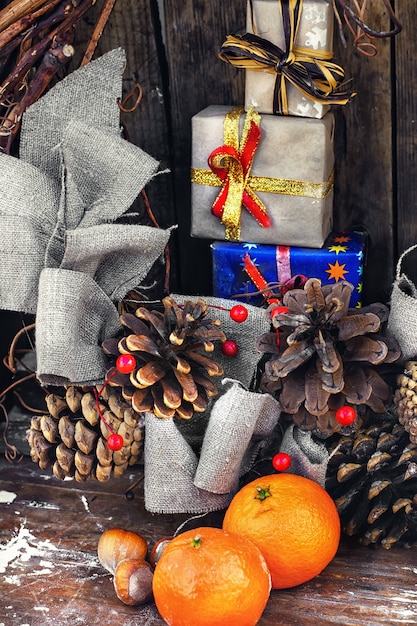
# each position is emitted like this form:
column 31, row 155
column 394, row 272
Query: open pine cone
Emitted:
column 372, row 477
column 72, row 437
column 326, row 355
column 172, row 374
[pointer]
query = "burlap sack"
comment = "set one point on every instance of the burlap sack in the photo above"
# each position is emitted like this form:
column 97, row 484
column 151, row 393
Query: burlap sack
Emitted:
column 169, row 468
column 309, row 457
column 237, row 418
column 402, row 319
column 229, row 432
column 28, row 204
column 74, row 316
column 72, row 135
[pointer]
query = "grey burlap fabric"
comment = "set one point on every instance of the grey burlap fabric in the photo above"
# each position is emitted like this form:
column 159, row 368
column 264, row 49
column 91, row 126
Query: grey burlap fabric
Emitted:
column 89, row 94
column 169, row 468
column 74, row 316
column 402, row 320
column 309, row 458
column 236, row 418
column 234, row 424
column 65, row 258
column 28, row 202
column 101, row 177
column 118, row 258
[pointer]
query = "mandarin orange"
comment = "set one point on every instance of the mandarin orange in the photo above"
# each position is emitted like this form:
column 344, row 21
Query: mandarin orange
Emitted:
column 210, row 577
column 292, row 520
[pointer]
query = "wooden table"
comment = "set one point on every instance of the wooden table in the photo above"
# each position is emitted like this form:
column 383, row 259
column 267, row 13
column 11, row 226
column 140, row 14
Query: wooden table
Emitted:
column 50, row 575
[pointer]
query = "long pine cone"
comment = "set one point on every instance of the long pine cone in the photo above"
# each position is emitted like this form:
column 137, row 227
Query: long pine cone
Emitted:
column 71, row 437
column 372, row 477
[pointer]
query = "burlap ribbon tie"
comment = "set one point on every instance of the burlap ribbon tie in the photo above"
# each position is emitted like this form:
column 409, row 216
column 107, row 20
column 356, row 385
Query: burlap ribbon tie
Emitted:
column 310, row 71
column 232, row 163
column 177, row 480
column 63, row 256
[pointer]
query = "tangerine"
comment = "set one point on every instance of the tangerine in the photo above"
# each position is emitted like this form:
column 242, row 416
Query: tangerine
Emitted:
column 210, row 577
column 292, row 520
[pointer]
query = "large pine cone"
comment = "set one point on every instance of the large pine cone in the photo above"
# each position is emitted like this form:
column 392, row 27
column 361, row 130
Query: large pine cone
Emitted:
column 172, row 374
column 72, row 436
column 372, row 477
column 326, row 356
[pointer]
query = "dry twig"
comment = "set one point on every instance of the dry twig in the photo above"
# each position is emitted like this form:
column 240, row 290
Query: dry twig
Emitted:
column 98, row 31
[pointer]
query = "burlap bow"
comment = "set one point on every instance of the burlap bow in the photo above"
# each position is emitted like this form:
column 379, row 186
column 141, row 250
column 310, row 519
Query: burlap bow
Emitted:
column 63, row 256
column 194, row 466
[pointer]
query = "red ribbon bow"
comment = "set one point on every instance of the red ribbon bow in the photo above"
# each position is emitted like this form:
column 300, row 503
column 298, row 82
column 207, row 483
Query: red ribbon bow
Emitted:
column 232, row 164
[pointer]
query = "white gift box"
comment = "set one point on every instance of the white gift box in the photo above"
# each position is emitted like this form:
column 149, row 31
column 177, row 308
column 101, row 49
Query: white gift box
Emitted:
column 315, row 32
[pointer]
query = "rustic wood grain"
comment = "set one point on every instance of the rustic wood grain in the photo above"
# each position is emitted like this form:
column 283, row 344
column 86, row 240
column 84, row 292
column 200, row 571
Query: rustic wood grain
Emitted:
column 195, row 30
column 364, row 156
column 135, row 27
column 60, row 582
column 406, row 122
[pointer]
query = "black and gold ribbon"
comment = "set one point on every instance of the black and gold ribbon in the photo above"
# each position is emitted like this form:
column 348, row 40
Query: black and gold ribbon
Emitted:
column 310, row 71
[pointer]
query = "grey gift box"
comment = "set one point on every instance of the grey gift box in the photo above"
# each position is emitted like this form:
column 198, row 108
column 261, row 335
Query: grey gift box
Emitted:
column 291, row 150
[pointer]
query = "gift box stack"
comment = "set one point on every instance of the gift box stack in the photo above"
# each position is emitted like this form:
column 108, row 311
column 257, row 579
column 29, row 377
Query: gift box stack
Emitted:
column 263, row 174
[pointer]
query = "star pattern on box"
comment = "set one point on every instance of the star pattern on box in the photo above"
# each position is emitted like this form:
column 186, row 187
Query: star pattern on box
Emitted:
column 337, row 271
column 341, row 239
column 337, row 249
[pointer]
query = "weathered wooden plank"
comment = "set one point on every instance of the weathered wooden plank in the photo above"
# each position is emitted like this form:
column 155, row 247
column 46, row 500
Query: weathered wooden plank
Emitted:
column 406, row 132
column 195, row 30
column 364, row 161
column 135, row 27
column 49, row 572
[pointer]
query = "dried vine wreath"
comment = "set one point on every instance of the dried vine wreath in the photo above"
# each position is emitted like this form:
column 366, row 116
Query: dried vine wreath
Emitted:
column 354, row 17
column 36, row 38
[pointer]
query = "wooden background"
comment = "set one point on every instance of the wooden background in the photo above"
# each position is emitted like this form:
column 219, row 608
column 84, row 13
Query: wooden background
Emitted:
column 376, row 185
column 175, row 60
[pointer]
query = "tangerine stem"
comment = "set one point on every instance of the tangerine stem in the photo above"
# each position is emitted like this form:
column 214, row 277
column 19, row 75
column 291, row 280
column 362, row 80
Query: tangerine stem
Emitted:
column 263, row 493
column 196, row 541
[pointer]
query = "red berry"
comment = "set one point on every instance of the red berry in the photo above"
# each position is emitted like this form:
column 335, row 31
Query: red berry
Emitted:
column 125, row 363
column 281, row 461
column 115, row 442
column 346, row 415
column 230, row 347
column 277, row 310
column 239, row 313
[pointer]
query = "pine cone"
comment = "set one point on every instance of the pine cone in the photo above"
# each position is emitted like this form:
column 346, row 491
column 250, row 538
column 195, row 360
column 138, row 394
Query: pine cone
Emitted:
column 405, row 399
column 372, row 477
column 326, row 356
column 172, row 376
column 72, row 436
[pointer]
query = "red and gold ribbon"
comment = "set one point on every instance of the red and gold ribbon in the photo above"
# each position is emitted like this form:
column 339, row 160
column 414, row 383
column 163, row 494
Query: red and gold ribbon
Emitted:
column 231, row 164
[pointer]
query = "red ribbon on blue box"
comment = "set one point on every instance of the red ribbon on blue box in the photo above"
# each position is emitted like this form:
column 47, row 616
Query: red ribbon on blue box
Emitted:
column 341, row 258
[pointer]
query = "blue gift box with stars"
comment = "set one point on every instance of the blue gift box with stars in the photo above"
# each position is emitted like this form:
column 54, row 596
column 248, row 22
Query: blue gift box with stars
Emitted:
column 248, row 271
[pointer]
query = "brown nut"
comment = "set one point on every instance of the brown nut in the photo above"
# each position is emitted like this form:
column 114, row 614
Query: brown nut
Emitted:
column 158, row 549
column 133, row 581
column 117, row 544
